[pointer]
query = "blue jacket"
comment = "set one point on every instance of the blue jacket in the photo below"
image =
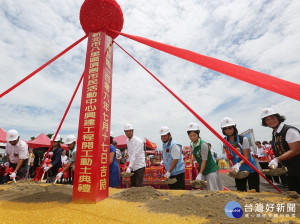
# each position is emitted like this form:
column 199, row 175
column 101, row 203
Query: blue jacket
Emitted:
column 237, row 159
column 167, row 157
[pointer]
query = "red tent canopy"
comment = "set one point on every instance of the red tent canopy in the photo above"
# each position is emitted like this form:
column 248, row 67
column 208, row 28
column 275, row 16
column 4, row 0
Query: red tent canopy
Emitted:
column 121, row 140
column 42, row 141
column 2, row 135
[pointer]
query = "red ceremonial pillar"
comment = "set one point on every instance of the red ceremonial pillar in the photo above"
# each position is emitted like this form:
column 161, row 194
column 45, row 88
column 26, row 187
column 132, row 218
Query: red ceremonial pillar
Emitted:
column 91, row 178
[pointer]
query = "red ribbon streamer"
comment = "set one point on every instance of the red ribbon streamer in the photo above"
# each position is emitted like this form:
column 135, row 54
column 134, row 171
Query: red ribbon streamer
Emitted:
column 259, row 79
column 42, row 67
column 204, row 122
column 37, row 176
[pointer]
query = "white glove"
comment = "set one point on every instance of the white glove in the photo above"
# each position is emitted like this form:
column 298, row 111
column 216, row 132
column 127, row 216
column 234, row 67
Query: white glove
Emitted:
column 13, row 175
column 274, row 163
column 46, row 168
column 236, row 167
column 59, row 175
column 50, row 153
column 161, row 162
column 199, row 176
column 6, row 164
column 167, row 175
column 128, row 170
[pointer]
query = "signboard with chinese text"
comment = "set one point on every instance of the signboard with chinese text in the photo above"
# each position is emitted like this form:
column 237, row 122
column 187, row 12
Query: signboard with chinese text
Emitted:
column 91, row 178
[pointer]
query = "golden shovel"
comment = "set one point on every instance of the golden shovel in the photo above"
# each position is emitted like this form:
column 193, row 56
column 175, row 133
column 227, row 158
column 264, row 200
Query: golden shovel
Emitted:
column 125, row 174
column 169, row 181
column 199, row 183
column 275, row 171
column 238, row 175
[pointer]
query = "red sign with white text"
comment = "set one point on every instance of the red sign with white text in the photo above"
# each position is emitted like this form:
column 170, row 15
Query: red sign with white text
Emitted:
column 91, row 178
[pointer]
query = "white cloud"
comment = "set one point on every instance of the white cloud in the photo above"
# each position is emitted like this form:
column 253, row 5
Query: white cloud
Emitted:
column 260, row 35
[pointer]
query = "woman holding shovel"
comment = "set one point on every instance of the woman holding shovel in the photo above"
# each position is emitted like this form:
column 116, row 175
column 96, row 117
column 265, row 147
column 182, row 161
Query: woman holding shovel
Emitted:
column 208, row 167
column 52, row 169
column 286, row 146
column 241, row 144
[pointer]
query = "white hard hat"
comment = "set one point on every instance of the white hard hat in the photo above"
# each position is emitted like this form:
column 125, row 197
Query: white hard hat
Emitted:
column 49, row 154
column 193, row 127
column 112, row 134
column 267, row 112
column 226, row 122
column 164, row 130
column 57, row 139
column 70, row 139
column 128, row 127
column 12, row 135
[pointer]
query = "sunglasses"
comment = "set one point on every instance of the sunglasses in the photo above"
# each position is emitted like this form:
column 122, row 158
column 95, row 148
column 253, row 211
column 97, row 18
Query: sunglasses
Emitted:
column 227, row 128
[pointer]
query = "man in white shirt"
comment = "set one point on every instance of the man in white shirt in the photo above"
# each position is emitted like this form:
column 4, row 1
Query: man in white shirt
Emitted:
column 137, row 164
column 16, row 154
column 64, row 158
column 286, row 146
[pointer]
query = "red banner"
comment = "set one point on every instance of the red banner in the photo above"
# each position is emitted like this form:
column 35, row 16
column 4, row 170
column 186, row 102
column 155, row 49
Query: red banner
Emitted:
column 42, row 67
column 91, row 181
column 259, row 79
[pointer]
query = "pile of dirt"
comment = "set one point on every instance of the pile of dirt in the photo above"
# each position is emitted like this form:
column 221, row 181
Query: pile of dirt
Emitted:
column 31, row 192
column 139, row 194
column 203, row 204
column 291, row 194
column 207, row 204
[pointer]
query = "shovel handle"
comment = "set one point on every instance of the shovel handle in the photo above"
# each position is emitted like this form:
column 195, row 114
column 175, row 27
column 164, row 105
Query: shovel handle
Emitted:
column 14, row 179
column 43, row 176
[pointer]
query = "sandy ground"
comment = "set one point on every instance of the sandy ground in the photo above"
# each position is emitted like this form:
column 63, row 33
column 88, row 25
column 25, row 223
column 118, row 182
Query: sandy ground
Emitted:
column 29, row 202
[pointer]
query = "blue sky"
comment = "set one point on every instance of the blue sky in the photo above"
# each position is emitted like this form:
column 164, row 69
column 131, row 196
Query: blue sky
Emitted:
column 260, row 35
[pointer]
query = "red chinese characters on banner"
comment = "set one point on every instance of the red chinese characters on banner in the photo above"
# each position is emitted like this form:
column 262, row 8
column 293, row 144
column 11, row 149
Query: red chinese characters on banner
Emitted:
column 92, row 157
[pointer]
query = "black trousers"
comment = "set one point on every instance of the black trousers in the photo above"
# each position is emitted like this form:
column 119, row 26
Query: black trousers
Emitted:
column 71, row 175
column 20, row 173
column 293, row 183
column 253, row 182
column 138, row 177
column 180, row 184
column 51, row 174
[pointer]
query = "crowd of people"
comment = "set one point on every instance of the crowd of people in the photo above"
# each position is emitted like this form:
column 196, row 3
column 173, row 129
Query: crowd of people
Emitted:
column 22, row 162
column 283, row 150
